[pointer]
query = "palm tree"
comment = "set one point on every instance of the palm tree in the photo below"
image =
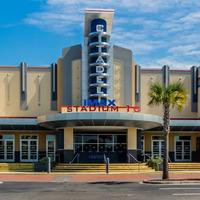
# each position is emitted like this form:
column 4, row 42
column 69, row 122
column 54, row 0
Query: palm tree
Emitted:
column 173, row 95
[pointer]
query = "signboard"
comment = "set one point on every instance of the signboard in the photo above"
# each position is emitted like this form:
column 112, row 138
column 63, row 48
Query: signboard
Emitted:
column 127, row 109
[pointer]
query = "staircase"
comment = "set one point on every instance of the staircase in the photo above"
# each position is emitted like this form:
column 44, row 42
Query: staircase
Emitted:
column 184, row 166
column 16, row 167
column 101, row 167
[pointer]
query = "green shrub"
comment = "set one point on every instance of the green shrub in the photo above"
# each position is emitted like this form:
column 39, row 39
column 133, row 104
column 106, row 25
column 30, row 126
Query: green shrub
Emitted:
column 154, row 162
column 44, row 161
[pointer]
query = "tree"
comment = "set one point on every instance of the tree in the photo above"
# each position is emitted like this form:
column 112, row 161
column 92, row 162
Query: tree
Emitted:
column 173, row 95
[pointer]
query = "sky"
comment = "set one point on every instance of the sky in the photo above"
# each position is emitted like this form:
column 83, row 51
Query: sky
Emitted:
column 158, row 32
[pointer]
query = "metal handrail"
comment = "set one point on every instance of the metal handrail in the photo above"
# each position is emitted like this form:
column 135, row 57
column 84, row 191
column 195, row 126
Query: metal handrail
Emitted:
column 146, row 155
column 144, row 159
column 169, row 160
column 76, row 156
column 130, row 155
column 104, row 157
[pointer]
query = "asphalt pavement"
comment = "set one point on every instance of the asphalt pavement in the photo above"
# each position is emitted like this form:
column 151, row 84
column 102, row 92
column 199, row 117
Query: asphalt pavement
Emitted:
column 114, row 190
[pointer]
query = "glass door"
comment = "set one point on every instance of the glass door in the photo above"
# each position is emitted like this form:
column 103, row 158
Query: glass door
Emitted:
column 183, row 152
column 7, row 148
column 33, row 150
column 157, row 146
column 24, row 150
column 29, row 149
column 50, row 146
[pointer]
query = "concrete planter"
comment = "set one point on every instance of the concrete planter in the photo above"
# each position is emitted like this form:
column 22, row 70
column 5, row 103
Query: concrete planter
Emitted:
column 40, row 167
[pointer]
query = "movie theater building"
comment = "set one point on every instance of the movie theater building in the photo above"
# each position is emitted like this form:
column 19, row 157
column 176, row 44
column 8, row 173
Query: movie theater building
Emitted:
column 93, row 102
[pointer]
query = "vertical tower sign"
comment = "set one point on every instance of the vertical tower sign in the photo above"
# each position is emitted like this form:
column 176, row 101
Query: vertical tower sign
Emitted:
column 98, row 56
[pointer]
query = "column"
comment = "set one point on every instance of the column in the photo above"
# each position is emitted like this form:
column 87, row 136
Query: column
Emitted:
column 132, row 143
column 68, row 144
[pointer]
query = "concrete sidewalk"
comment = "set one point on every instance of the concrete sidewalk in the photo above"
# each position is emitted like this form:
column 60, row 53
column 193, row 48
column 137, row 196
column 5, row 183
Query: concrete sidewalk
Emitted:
column 95, row 177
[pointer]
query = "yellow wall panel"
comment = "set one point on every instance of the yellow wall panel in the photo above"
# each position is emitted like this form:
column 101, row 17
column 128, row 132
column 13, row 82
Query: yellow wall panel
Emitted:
column 41, row 138
column 68, row 138
column 148, row 139
column 131, row 138
column 10, row 93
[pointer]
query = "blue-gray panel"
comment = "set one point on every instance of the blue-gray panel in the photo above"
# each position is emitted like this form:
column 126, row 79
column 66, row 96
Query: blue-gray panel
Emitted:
column 61, row 139
column 68, row 56
column 166, row 72
column 137, row 84
column 125, row 56
column 23, row 86
column 139, row 139
column 53, row 86
column 194, row 89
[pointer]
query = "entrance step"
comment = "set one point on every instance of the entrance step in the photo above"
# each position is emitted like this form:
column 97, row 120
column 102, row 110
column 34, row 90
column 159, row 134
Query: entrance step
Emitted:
column 184, row 166
column 16, row 167
column 114, row 167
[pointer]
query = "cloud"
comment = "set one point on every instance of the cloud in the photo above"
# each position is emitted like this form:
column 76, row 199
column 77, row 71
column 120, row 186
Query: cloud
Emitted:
column 156, row 31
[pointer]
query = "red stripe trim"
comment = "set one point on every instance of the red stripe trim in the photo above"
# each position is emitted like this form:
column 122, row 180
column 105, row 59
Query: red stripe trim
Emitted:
column 14, row 67
column 173, row 70
column 99, row 106
column 184, row 118
column 9, row 67
column 99, row 11
column 38, row 67
column 176, row 70
column 18, row 117
column 151, row 70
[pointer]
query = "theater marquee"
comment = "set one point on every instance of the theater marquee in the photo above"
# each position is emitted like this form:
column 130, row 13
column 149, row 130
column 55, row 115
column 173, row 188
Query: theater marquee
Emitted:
column 126, row 109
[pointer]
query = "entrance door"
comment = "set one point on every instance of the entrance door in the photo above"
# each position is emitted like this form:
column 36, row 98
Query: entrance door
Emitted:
column 51, row 146
column 183, row 152
column 157, row 146
column 7, row 150
column 29, row 149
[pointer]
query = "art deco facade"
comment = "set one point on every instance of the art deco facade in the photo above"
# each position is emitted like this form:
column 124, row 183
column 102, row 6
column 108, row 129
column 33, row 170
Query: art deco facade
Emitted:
column 93, row 101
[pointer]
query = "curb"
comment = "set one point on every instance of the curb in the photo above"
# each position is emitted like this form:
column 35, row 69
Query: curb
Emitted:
column 183, row 182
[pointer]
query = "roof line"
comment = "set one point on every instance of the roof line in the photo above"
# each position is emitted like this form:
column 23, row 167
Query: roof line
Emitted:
column 99, row 10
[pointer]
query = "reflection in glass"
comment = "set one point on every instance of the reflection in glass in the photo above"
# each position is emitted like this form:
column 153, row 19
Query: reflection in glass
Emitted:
column 90, row 147
column 105, row 139
column 78, row 138
column 90, row 139
column 120, row 138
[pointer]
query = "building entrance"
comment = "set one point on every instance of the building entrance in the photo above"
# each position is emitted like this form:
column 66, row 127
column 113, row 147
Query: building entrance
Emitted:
column 7, row 148
column 183, row 148
column 157, row 146
column 29, row 148
column 93, row 147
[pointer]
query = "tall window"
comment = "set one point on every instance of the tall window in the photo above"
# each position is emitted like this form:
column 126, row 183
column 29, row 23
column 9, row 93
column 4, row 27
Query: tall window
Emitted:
column 50, row 146
column 29, row 148
column 157, row 146
column 142, row 145
column 7, row 148
column 100, row 143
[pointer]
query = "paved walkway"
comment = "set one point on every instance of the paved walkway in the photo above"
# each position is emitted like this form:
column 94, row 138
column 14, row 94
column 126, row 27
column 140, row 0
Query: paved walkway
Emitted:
column 93, row 177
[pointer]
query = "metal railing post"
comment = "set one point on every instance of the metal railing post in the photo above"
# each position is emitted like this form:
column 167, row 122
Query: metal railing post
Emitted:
column 49, row 165
column 129, row 158
column 107, row 165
